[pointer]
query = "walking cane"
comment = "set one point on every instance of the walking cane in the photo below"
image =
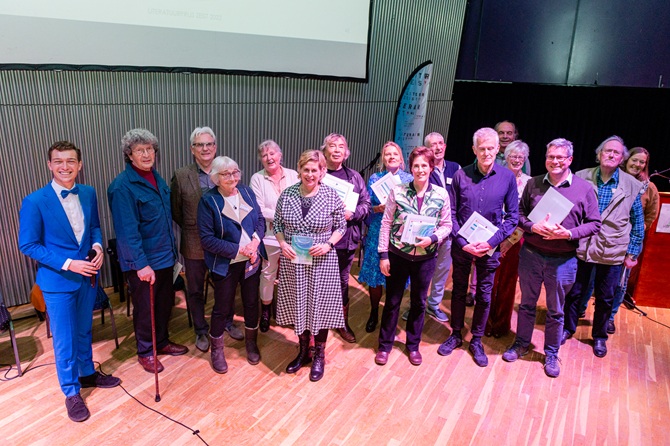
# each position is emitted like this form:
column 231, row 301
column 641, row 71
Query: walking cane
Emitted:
column 153, row 338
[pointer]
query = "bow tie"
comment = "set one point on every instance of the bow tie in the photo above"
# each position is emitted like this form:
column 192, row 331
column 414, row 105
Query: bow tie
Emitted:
column 64, row 193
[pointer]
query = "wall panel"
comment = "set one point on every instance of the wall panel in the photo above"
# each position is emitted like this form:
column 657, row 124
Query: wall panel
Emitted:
column 94, row 109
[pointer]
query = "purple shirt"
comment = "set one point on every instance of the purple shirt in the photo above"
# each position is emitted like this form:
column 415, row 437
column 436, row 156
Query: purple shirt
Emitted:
column 583, row 220
column 494, row 196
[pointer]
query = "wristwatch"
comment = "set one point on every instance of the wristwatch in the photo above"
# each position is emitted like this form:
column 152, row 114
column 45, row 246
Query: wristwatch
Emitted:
column 332, row 246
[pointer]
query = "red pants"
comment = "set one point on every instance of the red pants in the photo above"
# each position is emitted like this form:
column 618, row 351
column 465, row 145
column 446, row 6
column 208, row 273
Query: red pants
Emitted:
column 503, row 293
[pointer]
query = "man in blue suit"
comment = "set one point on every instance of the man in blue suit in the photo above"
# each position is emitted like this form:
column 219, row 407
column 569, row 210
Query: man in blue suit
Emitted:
column 59, row 226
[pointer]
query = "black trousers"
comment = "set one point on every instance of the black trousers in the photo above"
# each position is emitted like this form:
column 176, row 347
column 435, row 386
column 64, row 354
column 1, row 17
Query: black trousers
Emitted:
column 224, row 297
column 345, row 258
column 163, row 302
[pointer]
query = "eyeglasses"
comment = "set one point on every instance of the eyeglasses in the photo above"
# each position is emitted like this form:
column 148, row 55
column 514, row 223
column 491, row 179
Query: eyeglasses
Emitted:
column 149, row 151
column 558, row 159
column 201, row 145
column 229, row 175
column 516, row 157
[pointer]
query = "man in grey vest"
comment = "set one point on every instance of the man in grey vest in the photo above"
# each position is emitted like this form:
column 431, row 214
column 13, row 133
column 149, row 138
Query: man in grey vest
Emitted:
column 615, row 247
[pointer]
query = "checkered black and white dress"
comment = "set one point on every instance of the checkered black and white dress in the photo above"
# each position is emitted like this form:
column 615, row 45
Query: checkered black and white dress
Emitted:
column 309, row 296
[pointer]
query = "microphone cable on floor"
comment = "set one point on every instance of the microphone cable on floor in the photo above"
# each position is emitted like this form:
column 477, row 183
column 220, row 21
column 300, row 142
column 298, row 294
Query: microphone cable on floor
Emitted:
column 195, row 432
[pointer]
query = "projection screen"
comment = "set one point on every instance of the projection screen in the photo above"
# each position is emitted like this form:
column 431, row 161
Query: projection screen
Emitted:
column 302, row 37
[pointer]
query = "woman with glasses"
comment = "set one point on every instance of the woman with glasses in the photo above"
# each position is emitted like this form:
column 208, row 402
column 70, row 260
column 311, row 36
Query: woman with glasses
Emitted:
column 231, row 228
column 309, row 221
column 507, row 275
column 267, row 185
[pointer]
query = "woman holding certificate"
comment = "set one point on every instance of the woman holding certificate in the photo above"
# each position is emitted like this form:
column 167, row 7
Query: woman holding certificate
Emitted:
column 231, row 228
column 392, row 167
column 416, row 219
column 309, row 221
column 507, row 274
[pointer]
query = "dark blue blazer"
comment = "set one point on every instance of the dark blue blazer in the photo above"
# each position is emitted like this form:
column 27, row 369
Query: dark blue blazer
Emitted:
column 45, row 235
column 220, row 232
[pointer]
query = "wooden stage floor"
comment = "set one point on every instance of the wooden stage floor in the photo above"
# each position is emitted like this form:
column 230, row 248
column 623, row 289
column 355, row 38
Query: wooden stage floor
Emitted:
column 622, row 399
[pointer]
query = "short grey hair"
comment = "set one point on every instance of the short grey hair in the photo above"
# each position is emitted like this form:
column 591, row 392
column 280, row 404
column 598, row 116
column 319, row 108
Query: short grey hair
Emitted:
column 517, row 146
column 430, row 136
column 483, row 133
column 267, row 145
column 612, row 138
column 202, row 131
column 221, row 163
column 561, row 143
column 135, row 137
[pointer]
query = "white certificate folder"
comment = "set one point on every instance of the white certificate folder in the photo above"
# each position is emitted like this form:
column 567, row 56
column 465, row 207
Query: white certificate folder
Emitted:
column 478, row 229
column 553, row 203
column 417, row 226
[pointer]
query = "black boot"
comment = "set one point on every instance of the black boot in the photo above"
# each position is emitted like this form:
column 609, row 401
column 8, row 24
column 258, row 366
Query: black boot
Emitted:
column 319, row 363
column 250, row 338
column 346, row 333
column 371, row 325
column 265, row 317
column 218, row 360
column 375, row 297
column 303, row 357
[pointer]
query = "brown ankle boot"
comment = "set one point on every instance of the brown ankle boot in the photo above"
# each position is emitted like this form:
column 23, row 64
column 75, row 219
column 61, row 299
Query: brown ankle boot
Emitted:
column 347, row 333
column 250, row 338
column 218, row 360
column 303, row 357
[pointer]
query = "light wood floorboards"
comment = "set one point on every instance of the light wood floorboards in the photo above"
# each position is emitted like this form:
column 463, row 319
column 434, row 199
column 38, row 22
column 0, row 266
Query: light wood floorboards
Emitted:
column 622, row 399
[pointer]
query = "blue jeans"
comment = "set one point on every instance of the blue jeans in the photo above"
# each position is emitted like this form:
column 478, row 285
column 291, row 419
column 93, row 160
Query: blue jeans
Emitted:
column 442, row 267
column 558, row 275
column 607, row 278
column 71, row 317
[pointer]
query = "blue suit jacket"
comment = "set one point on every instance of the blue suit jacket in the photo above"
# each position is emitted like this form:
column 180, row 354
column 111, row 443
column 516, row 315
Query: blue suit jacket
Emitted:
column 45, row 235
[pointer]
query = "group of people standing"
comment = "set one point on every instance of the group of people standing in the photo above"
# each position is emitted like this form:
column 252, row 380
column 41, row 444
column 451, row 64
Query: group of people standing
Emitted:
column 289, row 228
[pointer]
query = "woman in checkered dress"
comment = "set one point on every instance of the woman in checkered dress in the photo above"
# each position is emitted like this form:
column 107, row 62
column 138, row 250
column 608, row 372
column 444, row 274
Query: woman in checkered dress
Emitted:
column 309, row 296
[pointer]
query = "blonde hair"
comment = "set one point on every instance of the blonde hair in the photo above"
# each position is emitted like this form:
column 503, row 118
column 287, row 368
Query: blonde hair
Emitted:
column 386, row 145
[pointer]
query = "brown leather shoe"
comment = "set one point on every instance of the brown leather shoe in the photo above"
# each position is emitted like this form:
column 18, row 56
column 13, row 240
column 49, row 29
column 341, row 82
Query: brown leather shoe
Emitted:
column 173, row 349
column 415, row 358
column 147, row 362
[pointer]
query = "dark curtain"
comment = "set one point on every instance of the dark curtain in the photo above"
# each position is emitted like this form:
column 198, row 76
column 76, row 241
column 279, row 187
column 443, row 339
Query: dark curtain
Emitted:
column 584, row 115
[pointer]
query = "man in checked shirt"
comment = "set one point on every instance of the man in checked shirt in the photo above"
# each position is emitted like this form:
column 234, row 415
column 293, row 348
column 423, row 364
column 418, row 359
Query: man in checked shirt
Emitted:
column 615, row 247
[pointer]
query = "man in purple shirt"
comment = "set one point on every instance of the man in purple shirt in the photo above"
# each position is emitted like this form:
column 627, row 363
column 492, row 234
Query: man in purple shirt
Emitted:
column 549, row 253
column 490, row 190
